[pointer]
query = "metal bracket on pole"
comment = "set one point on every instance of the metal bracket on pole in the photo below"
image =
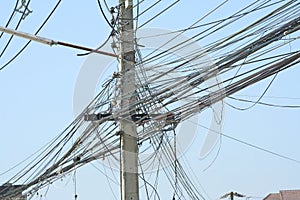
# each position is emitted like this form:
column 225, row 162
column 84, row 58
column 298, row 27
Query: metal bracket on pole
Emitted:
column 51, row 42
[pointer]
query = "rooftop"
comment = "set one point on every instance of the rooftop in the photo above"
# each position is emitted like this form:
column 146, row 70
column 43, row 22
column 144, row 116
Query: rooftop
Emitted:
column 284, row 195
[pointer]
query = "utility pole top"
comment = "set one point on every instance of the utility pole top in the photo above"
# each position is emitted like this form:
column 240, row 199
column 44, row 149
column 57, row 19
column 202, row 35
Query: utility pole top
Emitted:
column 232, row 194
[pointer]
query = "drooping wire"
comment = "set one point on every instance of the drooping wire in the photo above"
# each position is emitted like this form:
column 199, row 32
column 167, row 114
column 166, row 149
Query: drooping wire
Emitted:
column 260, row 97
column 112, row 25
column 249, row 144
column 216, row 156
column 98, row 48
column 154, row 189
column 262, row 103
column 143, row 178
column 103, row 14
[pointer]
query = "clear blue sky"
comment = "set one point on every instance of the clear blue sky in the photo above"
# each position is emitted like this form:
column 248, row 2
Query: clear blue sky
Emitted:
column 37, row 103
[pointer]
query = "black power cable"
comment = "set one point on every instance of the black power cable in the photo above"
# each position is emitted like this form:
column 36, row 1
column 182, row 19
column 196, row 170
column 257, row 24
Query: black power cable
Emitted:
column 16, row 28
column 11, row 17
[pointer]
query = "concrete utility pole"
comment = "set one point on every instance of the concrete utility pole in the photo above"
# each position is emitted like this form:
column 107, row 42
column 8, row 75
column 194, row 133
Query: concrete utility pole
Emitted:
column 128, row 136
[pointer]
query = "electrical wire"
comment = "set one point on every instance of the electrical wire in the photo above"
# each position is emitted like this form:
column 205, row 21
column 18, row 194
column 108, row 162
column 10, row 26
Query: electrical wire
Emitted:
column 159, row 88
column 250, row 145
column 262, row 103
column 109, row 179
column 261, row 96
column 158, row 14
column 154, row 189
column 103, row 14
column 38, row 30
column 11, row 17
column 16, row 27
column 143, row 178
